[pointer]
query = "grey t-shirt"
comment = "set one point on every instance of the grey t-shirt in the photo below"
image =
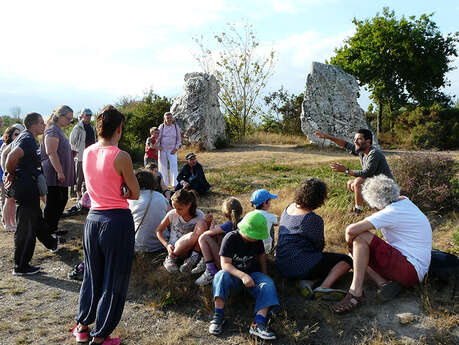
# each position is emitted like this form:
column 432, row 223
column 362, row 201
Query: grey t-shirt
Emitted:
column 374, row 163
column 64, row 152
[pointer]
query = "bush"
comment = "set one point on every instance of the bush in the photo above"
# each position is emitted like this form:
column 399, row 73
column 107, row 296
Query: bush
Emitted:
column 428, row 179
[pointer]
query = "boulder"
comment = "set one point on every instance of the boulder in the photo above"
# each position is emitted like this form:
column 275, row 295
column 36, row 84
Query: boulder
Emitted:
column 197, row 112
column 330, row 105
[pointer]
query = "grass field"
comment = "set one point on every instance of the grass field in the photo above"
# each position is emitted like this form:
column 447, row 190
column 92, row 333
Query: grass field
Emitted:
column 169, row 309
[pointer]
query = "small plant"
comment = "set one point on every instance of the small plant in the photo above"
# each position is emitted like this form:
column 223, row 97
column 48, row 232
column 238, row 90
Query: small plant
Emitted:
column 428, row 179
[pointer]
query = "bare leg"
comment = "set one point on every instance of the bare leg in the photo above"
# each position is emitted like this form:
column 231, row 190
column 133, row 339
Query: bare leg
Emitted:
column 209, row 248
column 263, row 312
column 361, row 256
column 219, row 303
column 190, row 241
column 376, row 277
column 357, row 188
column 337, row 271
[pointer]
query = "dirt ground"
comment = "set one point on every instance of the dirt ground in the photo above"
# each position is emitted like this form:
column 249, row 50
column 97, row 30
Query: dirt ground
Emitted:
column 162, row 309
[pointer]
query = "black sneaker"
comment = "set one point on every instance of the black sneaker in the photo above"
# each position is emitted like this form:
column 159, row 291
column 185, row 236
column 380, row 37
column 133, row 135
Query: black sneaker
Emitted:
column 216, row 325
column 76, row 273
column 28, row 270
column 260, row 330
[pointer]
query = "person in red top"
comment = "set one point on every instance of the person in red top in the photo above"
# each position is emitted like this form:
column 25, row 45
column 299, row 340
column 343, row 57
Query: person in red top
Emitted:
column 151, row 153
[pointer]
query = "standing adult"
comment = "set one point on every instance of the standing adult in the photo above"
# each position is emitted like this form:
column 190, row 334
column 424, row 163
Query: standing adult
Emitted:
column 9, row 206
column 82, row 136
column 23, row 166
column 372, row 160
column 58, row 165
column 108, row 232
column 168, row 143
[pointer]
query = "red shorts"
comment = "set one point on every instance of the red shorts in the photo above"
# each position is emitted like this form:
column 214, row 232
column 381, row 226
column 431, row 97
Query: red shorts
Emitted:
column 391, row 264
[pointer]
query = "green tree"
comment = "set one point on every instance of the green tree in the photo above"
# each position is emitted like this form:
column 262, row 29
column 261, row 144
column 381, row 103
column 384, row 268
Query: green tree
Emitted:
column 241, row 69
column 141, row 114
column 399, row 60
column 284, row 112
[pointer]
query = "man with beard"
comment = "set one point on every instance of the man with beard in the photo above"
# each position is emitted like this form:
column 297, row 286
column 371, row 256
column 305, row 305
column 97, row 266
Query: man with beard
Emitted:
column 372, row 160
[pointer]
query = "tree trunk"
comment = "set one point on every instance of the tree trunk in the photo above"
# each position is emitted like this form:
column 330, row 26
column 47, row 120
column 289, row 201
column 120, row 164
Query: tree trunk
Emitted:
column 379, row 119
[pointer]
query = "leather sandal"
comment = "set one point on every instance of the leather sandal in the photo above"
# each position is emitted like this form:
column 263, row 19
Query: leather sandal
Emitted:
column 349, row 302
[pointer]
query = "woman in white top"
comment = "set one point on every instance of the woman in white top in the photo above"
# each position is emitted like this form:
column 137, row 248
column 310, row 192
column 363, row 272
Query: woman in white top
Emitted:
column 167, row 144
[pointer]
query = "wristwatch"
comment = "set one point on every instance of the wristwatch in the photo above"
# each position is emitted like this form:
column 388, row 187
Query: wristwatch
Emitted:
column 347, row 171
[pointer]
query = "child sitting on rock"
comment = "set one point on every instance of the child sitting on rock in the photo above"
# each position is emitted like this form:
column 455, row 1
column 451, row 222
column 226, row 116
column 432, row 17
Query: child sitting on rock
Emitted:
column 261, row 200
column 243, row 261
column 209, row 241
column 186, row 224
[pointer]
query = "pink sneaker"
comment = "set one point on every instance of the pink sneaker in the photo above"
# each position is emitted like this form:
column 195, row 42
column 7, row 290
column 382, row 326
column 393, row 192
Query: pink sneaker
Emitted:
column 109, row 341
column 82, row 336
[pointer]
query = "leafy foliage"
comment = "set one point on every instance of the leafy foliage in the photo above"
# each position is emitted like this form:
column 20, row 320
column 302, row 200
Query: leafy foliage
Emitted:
column 284, row 114
column 399, row 59
column 428, row 179
column 241, row 70
column 141, row 115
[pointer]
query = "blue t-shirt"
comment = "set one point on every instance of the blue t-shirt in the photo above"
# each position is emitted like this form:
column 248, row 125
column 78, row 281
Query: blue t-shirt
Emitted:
column 227, row 227
column 300, row 244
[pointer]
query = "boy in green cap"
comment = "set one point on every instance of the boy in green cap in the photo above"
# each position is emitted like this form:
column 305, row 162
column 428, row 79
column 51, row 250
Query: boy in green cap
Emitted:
column 243, row 262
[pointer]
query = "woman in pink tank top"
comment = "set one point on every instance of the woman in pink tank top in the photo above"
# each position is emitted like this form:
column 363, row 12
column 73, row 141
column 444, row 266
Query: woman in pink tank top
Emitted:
column 108, row 233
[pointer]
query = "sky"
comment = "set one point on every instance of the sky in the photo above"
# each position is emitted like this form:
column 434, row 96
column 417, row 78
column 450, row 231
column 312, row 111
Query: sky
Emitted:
column 92, row 53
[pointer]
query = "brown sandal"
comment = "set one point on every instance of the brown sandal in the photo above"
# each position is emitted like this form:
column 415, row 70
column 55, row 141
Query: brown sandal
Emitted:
column 349, row 302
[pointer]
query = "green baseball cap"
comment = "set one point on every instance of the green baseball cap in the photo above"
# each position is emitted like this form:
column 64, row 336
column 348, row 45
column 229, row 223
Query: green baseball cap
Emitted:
column 254, row 225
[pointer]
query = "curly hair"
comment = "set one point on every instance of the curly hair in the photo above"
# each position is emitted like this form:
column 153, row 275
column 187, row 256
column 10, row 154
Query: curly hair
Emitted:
column 380, row 191
column 147, row 180
column 311, row 194
column 232, row 209
column 184, row 196
column 108, row 120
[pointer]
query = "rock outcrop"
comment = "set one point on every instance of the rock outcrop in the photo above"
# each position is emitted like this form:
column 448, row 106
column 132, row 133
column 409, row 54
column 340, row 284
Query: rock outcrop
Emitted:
column 197, row 112
column 330, row 105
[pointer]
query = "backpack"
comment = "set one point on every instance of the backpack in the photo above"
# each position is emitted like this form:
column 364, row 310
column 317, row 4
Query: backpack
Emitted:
column 444, row 266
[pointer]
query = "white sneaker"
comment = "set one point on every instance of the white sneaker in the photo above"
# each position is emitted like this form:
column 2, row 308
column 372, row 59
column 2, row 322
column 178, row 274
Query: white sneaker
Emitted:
column 200, row 267
column 170, row 265
column 205, row 279
column 189, row 263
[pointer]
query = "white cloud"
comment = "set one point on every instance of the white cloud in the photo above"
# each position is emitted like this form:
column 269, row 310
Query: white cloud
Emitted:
column 294, row 6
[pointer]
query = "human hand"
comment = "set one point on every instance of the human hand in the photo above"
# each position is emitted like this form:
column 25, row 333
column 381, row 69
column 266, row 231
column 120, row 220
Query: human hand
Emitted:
column 170, row 250
column 336, row 166
column 248, row 281
column 125, row 192
column 185, row 184
column 209, row 219
column 61, row 177
column 173, row 152
column 9, row 181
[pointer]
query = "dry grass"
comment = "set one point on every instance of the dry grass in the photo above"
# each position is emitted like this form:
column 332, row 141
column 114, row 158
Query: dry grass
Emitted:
column 275, row 139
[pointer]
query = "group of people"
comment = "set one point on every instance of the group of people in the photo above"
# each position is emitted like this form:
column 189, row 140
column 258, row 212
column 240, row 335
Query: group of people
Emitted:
column 130, row 211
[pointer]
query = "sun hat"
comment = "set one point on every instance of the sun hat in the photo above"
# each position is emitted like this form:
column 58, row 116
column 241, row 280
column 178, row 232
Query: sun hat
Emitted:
column 190, row 156
column 260, row 196
column 254, row 225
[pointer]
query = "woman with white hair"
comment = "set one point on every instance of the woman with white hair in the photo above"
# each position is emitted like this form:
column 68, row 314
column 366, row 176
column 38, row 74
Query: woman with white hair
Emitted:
column 167, row 144
column 402, row 259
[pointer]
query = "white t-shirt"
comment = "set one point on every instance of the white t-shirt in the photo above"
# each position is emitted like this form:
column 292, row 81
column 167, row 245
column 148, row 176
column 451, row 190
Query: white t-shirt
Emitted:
column 271, row 220
column 180, row 227
column 407, row 229
column 145, row 238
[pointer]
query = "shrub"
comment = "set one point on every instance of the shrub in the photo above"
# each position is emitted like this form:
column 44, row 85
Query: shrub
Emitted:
column 428, row 179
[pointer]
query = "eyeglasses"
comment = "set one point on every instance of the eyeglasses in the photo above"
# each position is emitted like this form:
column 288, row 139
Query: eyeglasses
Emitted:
column 15, row 134
column 69, row 118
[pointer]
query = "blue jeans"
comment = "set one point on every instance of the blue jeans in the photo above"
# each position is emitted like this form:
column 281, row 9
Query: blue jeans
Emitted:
column 264, row 290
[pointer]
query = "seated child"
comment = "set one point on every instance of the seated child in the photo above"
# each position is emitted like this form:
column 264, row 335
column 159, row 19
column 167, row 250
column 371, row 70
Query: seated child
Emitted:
column 301, row 242
column 243, row 261
column 186, row 224
column 153, row 167
column 261, row 200
column 209, row 241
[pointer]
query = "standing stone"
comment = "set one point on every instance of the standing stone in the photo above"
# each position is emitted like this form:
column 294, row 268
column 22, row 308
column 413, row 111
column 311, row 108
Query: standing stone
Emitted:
column 197, row 112
column 330, row 105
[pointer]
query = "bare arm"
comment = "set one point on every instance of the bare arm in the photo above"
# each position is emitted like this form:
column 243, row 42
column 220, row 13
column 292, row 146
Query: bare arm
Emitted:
column 353, row 230
column 5, row 151
column 337, row 141
column 123, row 165
column 160, row 234
column 11, row 163
column 227, row 265
column 51, row 145
column 262, row 261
